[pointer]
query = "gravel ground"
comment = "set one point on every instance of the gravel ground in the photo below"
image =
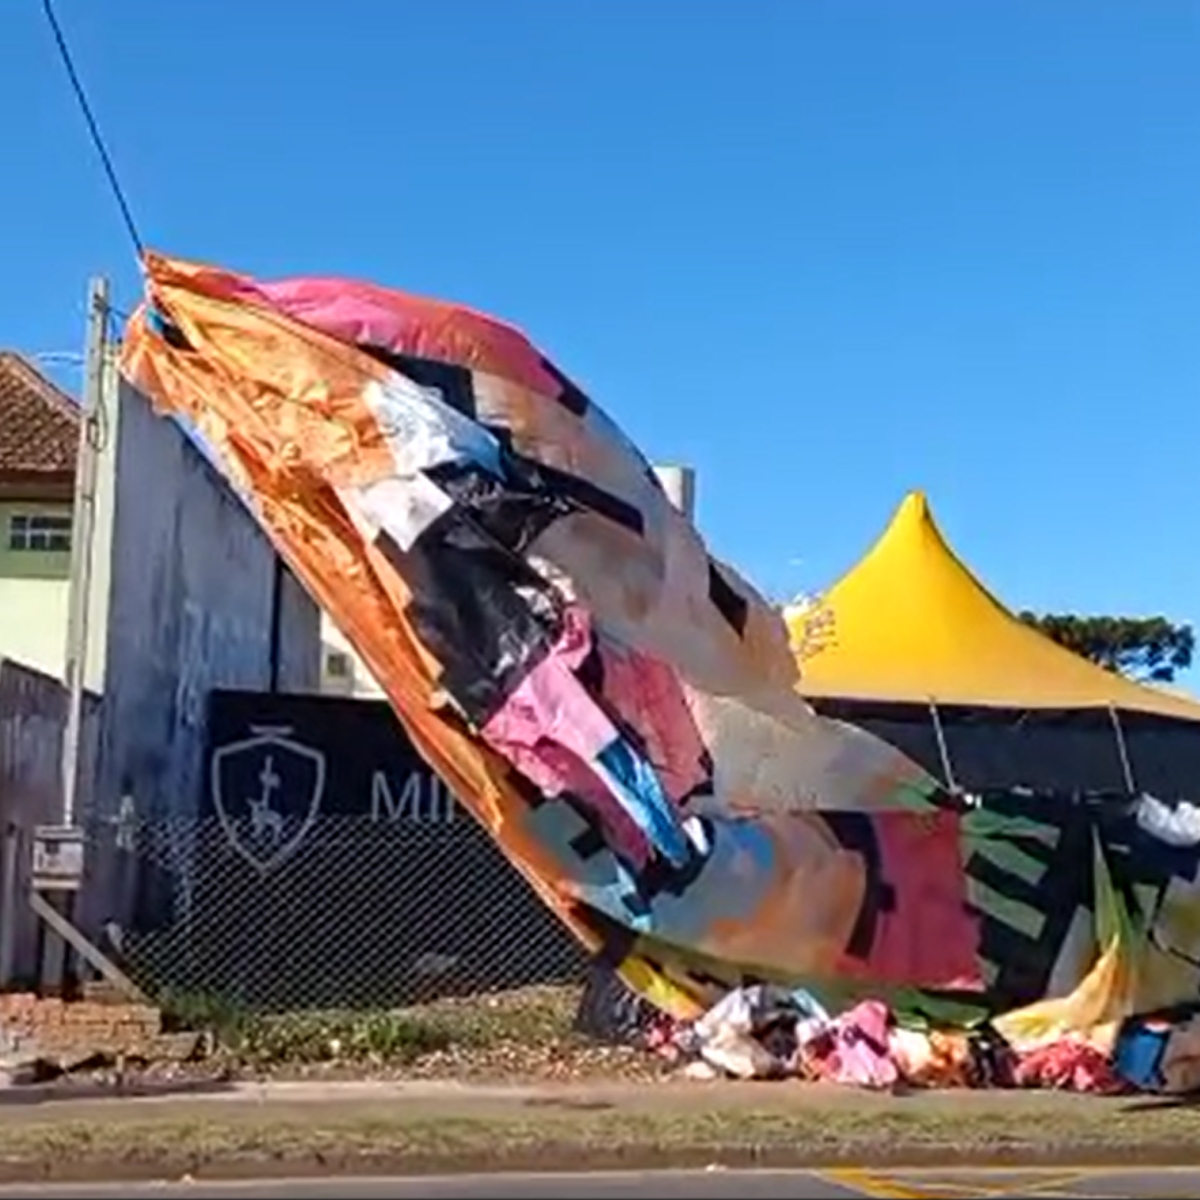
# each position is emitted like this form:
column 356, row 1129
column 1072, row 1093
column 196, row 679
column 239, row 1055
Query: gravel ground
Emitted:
column 523, row 1035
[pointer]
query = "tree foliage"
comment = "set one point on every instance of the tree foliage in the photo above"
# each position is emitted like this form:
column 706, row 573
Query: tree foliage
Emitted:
column 1143, row 648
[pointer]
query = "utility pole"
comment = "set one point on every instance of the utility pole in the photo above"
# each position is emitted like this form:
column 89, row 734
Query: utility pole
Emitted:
column 58, row 850
column 83, row 522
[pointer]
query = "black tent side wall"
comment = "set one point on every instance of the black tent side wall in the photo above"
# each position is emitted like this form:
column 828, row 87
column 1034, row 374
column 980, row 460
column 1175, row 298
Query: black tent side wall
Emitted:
column 1063, row 751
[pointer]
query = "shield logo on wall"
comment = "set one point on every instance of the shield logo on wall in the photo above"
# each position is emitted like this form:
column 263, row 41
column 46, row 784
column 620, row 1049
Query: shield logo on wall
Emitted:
column 267, row 791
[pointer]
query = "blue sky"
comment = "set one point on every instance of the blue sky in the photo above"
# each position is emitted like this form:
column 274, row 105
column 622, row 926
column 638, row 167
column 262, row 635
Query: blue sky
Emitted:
column 825, row 250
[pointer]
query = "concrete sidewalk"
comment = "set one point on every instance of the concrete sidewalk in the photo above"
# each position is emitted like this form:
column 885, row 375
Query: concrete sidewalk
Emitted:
column 448, row 1098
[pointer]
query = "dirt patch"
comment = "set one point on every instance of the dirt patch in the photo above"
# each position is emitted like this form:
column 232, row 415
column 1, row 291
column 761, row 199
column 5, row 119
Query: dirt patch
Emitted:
column 523, row 1034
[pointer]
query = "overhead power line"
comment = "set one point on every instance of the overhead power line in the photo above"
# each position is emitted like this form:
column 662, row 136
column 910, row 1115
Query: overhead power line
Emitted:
column 114, row 182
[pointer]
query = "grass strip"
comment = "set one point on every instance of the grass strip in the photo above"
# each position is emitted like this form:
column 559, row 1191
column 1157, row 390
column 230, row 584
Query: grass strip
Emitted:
column 255, row 1140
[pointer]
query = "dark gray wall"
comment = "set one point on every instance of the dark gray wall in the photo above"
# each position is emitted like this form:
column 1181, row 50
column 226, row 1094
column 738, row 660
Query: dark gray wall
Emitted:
column 189, row 607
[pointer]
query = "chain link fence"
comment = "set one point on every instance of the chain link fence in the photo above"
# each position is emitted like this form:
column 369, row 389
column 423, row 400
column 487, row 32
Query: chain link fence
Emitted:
column 321, row 864
column 336, row 912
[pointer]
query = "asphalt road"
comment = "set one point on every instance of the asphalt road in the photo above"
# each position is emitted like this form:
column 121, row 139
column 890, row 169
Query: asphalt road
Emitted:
column 1100, row 1184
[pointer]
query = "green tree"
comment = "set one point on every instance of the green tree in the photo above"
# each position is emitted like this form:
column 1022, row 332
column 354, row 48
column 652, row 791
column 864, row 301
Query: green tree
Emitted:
column 1144, row 648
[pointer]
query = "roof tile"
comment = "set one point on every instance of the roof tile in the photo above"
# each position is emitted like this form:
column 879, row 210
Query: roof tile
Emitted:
column 39, row 423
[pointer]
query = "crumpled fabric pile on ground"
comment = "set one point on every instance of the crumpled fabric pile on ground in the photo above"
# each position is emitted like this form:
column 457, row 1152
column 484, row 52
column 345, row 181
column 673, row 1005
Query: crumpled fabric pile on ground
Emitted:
column 622, row 711
column 764, row 1032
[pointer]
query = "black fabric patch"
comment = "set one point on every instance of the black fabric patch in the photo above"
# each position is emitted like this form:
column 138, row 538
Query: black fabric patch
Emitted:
column 944, row 800
column 702, row 791
column 609, row 1010
column 571, row 397
column 1051, row 808
column 1024, row 964
column 586, row 495
column 661, row 876
column 730, row 604
column 482, row 612
column 983, row 871
column 160, row 323
column 856, row 832
column 617, row 940
column 591, row 672
column 591, row 841
column 176, row 338
column 527, row 789
column 533, row 476
column 455, row 384
column 512, row 512
column 707, row 979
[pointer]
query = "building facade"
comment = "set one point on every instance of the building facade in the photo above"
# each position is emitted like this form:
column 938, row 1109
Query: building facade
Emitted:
column 39, row 432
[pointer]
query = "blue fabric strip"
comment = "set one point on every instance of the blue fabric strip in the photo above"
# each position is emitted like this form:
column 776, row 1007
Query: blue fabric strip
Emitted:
column 637, row 788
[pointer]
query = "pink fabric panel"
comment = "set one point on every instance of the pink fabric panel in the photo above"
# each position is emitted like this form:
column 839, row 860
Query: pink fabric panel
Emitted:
column 555, row 763
column 930, row 938
column 551, row 730
column 361, row 313
column 550, row 704
column 646, row 695
column 862, row 1055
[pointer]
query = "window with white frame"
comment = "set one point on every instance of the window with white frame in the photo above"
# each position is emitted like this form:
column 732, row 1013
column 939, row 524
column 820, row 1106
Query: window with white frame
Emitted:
column 39, row 531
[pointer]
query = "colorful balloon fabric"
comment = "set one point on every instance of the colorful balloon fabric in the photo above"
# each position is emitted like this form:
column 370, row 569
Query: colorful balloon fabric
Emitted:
column 615, row 705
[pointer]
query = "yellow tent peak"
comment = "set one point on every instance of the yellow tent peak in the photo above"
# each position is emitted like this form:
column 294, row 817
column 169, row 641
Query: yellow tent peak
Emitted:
column 914, row 507
column 910, row 622
column 913, row 532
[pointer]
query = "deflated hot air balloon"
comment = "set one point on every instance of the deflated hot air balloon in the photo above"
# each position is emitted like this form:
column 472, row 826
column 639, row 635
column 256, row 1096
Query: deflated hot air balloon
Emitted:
column 616, row 706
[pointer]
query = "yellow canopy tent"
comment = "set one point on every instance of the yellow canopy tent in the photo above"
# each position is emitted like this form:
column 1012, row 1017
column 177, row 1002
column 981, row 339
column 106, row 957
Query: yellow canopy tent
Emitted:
column 911, row 644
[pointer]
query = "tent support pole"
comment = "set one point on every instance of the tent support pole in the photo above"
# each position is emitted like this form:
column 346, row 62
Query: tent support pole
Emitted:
column 943, row 747
column 1122, row 750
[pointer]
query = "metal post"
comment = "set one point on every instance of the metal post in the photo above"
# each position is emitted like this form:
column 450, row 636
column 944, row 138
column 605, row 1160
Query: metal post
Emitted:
column 83, row 520
column 1123, row 751
column 943, row 747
